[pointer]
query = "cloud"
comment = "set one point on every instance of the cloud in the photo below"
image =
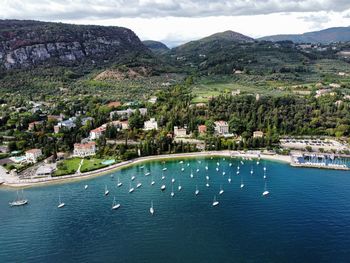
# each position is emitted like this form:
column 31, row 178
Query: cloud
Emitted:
column 316, row 21
column 109, row 9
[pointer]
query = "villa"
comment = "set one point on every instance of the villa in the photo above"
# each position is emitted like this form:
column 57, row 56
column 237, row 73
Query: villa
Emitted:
column 221, row 128
column 180, row 132
column 97, row 133
column 33, row 155
column 258, row 134
column 84, row 149
column 150, row 125
column 127, row 113
column 202, row 129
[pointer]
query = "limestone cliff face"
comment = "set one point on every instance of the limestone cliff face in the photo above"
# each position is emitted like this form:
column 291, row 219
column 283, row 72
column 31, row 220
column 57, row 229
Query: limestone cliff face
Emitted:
column 26, row 44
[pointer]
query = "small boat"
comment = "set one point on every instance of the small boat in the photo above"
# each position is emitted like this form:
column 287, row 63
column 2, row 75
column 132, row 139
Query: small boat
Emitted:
column 251, row 171
column 138, row 185
column 133, row 178
column 217, row 169
column 265, row 193
column 162, row 187
column 115, row 205
column 242, row 185
column 221, row 190
column 60, row 204
column 206, row 168
column 238, row 167
column 207, row 184
column 119, row 184
column 237, row 172
column 179, row 187
column 141, row 167
column 112, row 175
column 217, row 163
column 172, row 191
column 182, row 169
column 191, row 175
column 264, row 175
column 163, row 177
column 197, row 170
column 223, row 173
column 207, row 177
column 131, row 189
column 86, row 187
column 152, row 182
column 215, row 203
column 229, row 179
column 147, row 174
column 264, row 168
column 257, row 163
column 106, row 190
column 18, row 201
column 242, row 162
column 181, row 162
column 188, row 164
column 151, row 210
column 230, row 164
column 173, row 180
column 164, row 169
column 197, row 191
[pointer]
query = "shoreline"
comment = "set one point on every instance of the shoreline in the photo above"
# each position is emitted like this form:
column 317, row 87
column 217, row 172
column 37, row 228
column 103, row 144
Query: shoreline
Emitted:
column 14, row 182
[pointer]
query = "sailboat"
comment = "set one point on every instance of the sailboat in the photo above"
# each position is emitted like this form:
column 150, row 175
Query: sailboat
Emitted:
column 133, row 178
column 197, row 191
column 251, row 171
column 163, row 176
column 151, row 210
column 179, row 187
column 206, row 167
column 86, row 187
column 215, row 203
column 264, row 168
column 197, row 170
column 115, row 205
column 217, row 163
column 229, row 179
column 138, row 185
column 181, row 162
column 242, row 162
column 237, row 172
column 191, row 175
column 106, row 190
column 60, row 204
column 141, row 167
column 153, row 182
column 131, row 189
column 164, row 168
column 221, row 190
column 182, row 169
column 147, row 174
column 207, row 184
column 162, row 187
column 265, row 193
column 217, row 169
column 264, row 175
column 172, row 191
column 223, row 173
column 242, row 184
column 173, row 180
column 18, row 201
column 119, row 184
column 207, row 177
column 230, row 164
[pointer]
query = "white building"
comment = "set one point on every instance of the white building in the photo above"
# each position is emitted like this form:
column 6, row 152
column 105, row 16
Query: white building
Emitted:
column 150, row 125
column 153, row 99
column 221, row 127
column 179, row 132
column 84, row 149
column 97, row 133
column 258, row 134
column 33, row 155
column 127, row 113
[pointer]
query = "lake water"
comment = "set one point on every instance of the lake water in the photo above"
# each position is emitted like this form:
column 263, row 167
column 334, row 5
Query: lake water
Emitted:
column 306, row 217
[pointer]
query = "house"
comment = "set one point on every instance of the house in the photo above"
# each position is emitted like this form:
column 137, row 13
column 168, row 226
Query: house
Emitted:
column 334, row 85
column 235, row 92
column 55, row 117
column 33, row 155
column 150, row 125
column 258, row 134
column 97, row 133
column 202, row 129
column 34, row 124
column 127, row 113
column 114, row 104
column 152, row 99
column 69, row 124
column 84, row 149
column 179, row 132
column 221, row 127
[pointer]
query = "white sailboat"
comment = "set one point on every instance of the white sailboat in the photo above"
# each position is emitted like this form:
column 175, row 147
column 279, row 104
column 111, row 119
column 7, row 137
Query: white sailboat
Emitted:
column 131, row 189
column 217, row 169
column 237, row 172
column 207, row 177
column 179, row 187
column 265, row 193
column 133, row 178
column 217, row 163
column 138, row 185
column 115, row 205
column 141, row 167
column 86, row 187
column 264, row 168
column 264, row 175
column 106, row 190
column 191, row 175
column 197, row 191
column 206, row 167
column 151, row 210
column 172, row 191
column 221, row 190
column 18, row 201
column 119, row 184
column 230, row 164
column 181, row 162
column 229, row 179
column 152, row 182
column 197, row 170
column 215, row 203
column 60, row 204
column 207, row 184
column 242, row 184
column 223, row 173
column 162, row 187
column 164, row 168
column 173, row 180
column 251, row 171
column 147, row 174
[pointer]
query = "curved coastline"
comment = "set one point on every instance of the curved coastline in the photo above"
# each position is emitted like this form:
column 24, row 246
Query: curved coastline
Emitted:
column 15, row 182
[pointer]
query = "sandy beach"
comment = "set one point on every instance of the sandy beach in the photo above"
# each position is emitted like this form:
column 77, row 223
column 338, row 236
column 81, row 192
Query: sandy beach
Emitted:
column 13, row 181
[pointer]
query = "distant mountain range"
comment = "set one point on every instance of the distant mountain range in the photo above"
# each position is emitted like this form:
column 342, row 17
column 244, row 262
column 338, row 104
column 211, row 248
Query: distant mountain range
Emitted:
column 329, row 35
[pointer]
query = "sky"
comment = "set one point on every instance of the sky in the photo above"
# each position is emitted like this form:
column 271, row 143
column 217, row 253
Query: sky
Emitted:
column 178, row 21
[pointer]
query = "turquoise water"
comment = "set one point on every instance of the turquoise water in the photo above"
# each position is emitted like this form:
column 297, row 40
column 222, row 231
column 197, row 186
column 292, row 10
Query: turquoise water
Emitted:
column 306, row 217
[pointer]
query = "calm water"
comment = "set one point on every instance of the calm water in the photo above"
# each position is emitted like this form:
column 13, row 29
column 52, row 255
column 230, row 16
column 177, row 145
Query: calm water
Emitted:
column 306, row 217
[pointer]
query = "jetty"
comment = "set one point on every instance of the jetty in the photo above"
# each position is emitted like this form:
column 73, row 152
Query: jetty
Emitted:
column 320, row 160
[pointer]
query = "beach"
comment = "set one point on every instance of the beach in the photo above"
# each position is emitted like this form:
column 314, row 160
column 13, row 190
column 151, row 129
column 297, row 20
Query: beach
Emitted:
column 13, row 181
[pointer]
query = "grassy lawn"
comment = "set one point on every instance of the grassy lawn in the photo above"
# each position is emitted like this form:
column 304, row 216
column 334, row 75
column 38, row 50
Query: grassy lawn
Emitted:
column 92, row 164
column 68, row 166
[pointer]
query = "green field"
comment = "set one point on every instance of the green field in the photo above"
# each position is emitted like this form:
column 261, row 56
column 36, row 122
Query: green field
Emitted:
column 92, row 164
column 68, row 166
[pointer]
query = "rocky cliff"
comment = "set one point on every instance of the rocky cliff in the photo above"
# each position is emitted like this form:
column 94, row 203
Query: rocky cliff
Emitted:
column 25, row 44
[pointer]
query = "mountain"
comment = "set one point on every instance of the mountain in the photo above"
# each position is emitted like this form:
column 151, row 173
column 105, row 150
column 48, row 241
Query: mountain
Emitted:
column 155, row 46
column 27, row 44
column 335, row 34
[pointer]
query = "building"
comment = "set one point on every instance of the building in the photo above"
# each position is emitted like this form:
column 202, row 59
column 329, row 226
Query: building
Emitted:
column 153, row 99
column 258, row 134
column 97, row 133
column 221, row 127
column 84, row 149
column 71, row 123
column 34, row 124
column 202, row 129
column 45, row 170
column 127, row 113
column 55, row 117
column 236, row 92
column 150, row 125
column 180, row 132
column 33, row 155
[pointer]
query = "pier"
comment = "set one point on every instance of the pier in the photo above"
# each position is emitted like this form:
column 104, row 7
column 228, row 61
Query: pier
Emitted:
column 317, row 160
